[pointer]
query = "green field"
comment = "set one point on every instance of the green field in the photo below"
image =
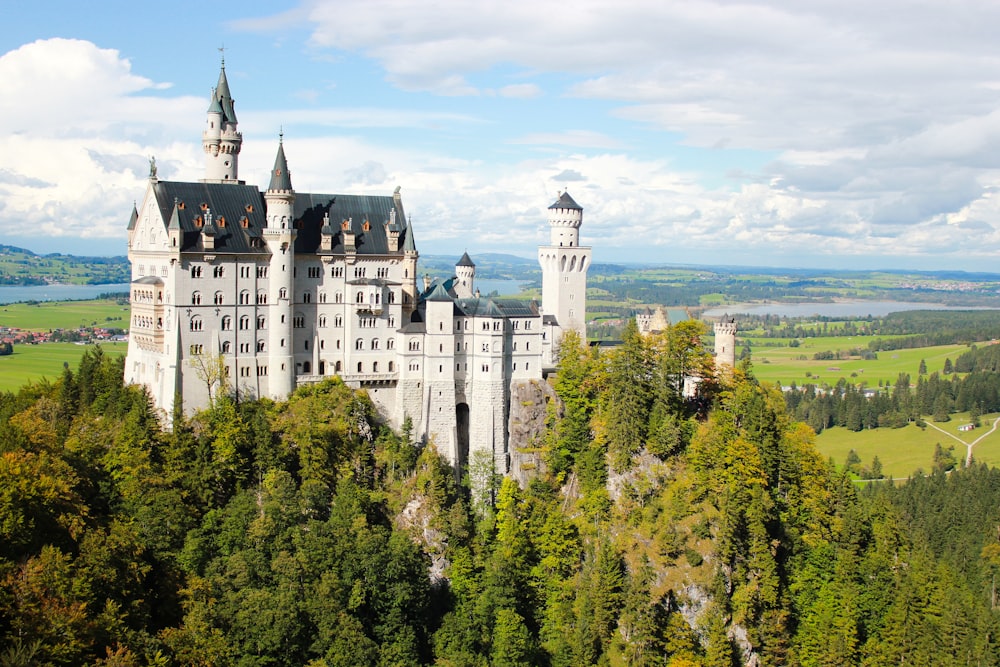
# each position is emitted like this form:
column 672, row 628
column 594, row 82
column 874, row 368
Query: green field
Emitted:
column 790, row 364
column 48, row 315
column 903, row 451
column 31, row 363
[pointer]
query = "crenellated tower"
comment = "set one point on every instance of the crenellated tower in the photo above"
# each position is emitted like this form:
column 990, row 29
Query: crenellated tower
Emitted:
column 279, row 235
column 564, row 267
column 725, row 343
column 465, row 272
column 220, row 140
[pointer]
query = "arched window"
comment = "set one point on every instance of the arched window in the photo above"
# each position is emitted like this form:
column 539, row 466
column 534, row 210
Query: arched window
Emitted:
column 360, row 366
column 226, row 347
column 360, row 298
column 260, row 322
column 260, row 346
column 283, row 293
column 306, row 367
column 306, row 297
column 262, row 297
column 218, row 298
column 227, row 323
column 392, row 366
column 244, row 323
column 196, row 299
column 336, row 367
column 196, row 324
column 322, row 321
column 359, row 344
column 374, row 343
column 218, row 272
column 374, row 367
column 338, row 321
column 322, row 297
column 244, row 297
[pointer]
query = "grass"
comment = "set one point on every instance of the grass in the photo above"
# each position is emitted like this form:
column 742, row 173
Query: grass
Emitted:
column 48, row 315
column 786, row 365
column 31, row 363
column 904, row 451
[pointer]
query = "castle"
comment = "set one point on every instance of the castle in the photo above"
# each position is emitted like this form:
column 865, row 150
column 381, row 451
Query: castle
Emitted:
column 233, row 288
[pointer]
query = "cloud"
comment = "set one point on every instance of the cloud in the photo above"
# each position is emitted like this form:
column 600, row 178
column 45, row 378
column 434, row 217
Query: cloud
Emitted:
column 521, row 90
column 568, row 175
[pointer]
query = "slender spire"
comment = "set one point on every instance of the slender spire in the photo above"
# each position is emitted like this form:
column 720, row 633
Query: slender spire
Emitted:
column 280, row 178
column 224, row 97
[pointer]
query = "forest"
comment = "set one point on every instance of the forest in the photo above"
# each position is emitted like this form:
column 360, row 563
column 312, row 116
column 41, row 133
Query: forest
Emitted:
column 656, row 530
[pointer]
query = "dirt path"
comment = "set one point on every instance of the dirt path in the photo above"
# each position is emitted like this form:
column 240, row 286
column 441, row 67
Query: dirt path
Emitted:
column 968, row 445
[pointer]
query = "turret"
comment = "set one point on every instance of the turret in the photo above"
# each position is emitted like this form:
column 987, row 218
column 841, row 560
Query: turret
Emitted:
column 220, row 140
column 465, row 272
column 725, row 343
column 564, row 268
column 280, row 234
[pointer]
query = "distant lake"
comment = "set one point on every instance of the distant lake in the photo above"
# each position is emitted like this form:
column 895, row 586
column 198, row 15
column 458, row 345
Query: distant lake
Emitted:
column 16, row 293
column 503, row 287
column 838, row 309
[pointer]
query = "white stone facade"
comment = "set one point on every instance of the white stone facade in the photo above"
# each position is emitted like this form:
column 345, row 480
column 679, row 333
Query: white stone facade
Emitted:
column 235, row 289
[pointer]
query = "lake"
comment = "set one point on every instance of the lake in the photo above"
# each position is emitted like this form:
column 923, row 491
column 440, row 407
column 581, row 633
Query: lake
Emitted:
column 18, row 293
column 837, row 309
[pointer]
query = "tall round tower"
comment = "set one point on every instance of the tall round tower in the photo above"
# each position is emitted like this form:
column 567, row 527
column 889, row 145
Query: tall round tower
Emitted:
column 279, row 234
column 465, row 272
column 220, row 140
column 564, row 267
column 725, row 342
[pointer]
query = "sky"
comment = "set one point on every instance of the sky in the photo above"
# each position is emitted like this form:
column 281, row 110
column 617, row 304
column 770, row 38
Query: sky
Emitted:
column 805, row 134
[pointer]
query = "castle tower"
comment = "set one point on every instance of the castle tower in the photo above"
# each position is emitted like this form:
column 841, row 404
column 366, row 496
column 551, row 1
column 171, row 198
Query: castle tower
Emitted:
column 465, row 271
column 220, row 140
column 725, row 343
column 564, row 267
column 280, row 238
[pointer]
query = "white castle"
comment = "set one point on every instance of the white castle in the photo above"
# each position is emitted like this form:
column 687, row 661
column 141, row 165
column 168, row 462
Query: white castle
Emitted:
column 261, row 292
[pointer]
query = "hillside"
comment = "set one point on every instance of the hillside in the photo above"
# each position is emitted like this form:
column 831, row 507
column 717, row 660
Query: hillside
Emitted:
column 652, row 531
column 23, row 267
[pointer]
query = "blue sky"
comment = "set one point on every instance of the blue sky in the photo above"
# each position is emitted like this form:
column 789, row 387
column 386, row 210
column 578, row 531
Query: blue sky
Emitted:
column 824, row 134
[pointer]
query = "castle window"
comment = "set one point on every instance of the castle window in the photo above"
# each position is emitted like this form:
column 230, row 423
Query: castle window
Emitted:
column 527, row 324
column 196, row 299
column 305, row 345
column 486, row 347
column 336, row 367
column 322, row 297
column 374, row 343
column 314, row 271
column 374, row 367
column 486, row 368
column 262, row 272
column 260, row 321
column 527, row 345
column 338, row 298
column 392, row 321
column 390, row 344
column 244, row 348
column 260, row 346
column 244, row 323
column 392, row 366
column 338, row 321
column 515, row 365
column 306, row 297
column 322, row 344
column 219, row 297
column 261, row 297
column 359, row 344
column 227, row 323
column 244, row 298
column 441, row 347
column 283, row 293
column 414, row 345
column 299, row 321
column 261, row 370
column 525, row 366
column 196, row 272
column 360, row 298
column 227, row 347
column 196, row 350
column 142, row 270
column 218, row 272
column 322, row 321
column 196, row 324
column 392, row 297
column 515, row 346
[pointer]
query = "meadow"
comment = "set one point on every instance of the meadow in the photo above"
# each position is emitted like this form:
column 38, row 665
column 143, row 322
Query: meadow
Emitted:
column 785, row 364
column 904, row 451
column 31, row 363
column 49, row 315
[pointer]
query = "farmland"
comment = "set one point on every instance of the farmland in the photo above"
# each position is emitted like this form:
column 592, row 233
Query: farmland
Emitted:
column 31, row 363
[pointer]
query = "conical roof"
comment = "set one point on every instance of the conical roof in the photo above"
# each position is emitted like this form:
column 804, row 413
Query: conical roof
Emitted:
column 280, row 178
column 224, row 97
column 565, row 201
column 466, row 260
column 134, row 219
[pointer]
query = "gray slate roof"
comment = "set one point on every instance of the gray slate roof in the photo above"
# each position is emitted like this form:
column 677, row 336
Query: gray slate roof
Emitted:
column 280, row 178
column 565, row 201
column 465, row 260
column 229, row 203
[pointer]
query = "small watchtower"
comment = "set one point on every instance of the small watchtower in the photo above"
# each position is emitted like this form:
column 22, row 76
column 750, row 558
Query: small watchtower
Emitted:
column 725, row 343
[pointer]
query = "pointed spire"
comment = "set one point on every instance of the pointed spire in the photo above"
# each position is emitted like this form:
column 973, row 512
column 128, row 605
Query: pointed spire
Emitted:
column 134, row 219
column 409, row 244
column 175, row 217
column 280, row 178
column 465, row 260
column 565, row 201
column 224, row 97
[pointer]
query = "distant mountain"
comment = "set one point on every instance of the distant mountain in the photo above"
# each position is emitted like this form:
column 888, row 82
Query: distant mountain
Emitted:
column 19, row 266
